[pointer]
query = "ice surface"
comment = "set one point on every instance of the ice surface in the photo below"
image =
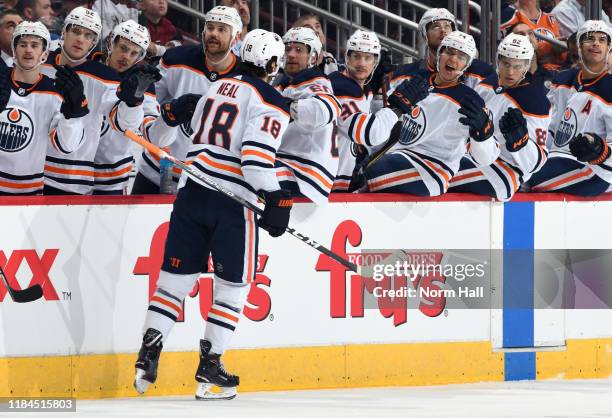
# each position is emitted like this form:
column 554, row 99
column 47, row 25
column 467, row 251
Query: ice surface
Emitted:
column 563, row 398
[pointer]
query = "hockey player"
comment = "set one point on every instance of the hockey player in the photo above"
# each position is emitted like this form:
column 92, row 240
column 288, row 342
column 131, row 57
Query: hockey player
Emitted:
column 521, row 114
column 358, row 128
column 435, row 24
column 581, row 124
column 121, row 103
column 435, row 133
column 187, row 72
column 127, row 45
column 38, row 115
column 240, row 159
column 307, row 164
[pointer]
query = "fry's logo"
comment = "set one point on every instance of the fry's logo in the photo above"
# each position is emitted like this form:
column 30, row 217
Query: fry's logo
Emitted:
column 39, row 266
column 258, row 304
column 350, row 232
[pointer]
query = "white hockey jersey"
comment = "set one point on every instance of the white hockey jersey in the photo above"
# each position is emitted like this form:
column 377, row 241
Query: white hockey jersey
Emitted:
column 306, row 154
column 183, row 71
column 30, row 124
column 356, row 126
column 238, row 126
column 530, row 99
column 435, row 141
column 578, row 107
column 113, row 162
column 74, row 173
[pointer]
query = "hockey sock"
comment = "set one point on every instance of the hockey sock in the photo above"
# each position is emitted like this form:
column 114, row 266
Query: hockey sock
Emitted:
column 223, row 316
column 167, row 301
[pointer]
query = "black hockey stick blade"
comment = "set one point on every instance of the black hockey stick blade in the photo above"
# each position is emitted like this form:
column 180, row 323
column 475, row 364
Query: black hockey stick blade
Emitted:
column 155, row 150
column 22, row 296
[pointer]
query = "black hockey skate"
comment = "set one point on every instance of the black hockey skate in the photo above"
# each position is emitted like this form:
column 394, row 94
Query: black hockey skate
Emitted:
column 148, row 359
column 211, row 373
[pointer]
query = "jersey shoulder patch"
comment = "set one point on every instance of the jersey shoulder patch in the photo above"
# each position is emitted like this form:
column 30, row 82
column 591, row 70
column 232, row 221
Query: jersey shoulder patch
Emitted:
column 566, row 78
column 99, row 71
column 344, row 86
column 531, row 98
column 267, row 93
column 189, row 55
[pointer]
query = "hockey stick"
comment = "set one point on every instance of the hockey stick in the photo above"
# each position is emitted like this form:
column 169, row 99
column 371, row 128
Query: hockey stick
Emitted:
column 22, row 296
column 155, row 150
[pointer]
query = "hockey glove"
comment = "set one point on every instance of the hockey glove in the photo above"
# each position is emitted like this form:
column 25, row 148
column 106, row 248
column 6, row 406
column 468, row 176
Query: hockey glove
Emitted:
column 513, row 127
column 275, row 216
column 408, row 94
column 179, row 111
column 476, row 118
column 5, row 86
column 382, row 69
column 70, row 86
column 136, row 81
column 589, row 148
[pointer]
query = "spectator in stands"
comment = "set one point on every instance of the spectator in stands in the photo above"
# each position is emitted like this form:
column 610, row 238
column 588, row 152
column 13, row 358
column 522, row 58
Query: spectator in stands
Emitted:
column 244, row 10
column 571, row 15
column 163, row 33
column 40, row 11
column 528, row 12
column 9, row 19
column 113, row 12
column 68, row 5
column 327, row 63
column 548, row 5
column 8, row 4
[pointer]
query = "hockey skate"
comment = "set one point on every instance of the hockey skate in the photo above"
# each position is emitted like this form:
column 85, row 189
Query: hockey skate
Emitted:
column 148, row 359
column 211, row 374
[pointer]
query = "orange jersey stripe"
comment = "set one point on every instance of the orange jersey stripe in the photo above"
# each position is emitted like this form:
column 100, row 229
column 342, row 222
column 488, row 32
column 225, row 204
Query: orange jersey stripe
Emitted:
column 510, row 172
column 564, row 180
column 362, row 120
column 113, row 173
column 10, row 185
column 167, row 303
column 380, row 183
column 466, row 176
column 223, row 314
column 313, row 173
column 68, row 171
column 220, row 166
column 259, row 154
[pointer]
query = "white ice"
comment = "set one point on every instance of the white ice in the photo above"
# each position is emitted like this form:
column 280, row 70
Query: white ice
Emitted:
column 565, row 398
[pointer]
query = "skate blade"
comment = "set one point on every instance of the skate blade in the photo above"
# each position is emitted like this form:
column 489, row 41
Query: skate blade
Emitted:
column 205, row 393
column 140, row 384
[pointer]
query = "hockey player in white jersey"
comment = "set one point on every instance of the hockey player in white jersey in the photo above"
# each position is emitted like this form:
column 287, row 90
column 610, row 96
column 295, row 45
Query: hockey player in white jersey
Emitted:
column 38, row 114
column 306, row 161
column 187, row 73
column 359, row 130
column 241, row 159
column 447, row 119
column 521, row 115
column 127, row 45
column 434, row 25
column 581, row 125
column 119, row 102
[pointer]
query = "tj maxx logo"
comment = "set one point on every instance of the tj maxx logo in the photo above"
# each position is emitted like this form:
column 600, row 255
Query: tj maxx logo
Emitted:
column 39, row 266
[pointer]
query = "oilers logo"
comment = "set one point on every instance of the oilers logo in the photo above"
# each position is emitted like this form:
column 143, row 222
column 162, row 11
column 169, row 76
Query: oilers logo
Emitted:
column 567, row 128
column 16, row 129
column 413, row 127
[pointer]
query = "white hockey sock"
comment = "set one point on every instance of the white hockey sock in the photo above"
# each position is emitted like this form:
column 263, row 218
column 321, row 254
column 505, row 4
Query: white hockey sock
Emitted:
column 167, row 301
column 223, row 316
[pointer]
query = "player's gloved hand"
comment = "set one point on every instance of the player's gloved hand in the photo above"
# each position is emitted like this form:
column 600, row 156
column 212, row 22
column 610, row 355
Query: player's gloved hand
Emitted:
column 136, row 81
column 589, row 148
column 275, row 216
column 179, row 111
column 513, row 127
column 5, row 85
column 70, row 86
column 382, row 69
column 476, row 118
column 408, row 94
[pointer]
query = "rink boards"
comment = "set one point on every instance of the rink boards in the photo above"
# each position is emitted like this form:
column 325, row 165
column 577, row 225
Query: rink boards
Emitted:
column 304, row 325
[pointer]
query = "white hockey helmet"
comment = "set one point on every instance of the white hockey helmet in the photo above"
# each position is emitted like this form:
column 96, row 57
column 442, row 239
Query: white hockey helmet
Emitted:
column 306, row 36
column 132, row 32
column 33, row 29
column 593, row 26
column 433, row 15
column 363, row 41
column 227, row 15
column 260, row 47
column 87, row 18
column 461, row 42
column 518, row 47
